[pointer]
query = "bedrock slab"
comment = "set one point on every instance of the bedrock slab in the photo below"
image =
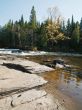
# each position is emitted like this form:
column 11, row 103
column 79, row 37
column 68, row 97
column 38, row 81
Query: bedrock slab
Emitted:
column 30, row 66
column 20, row 90
column 12, row 80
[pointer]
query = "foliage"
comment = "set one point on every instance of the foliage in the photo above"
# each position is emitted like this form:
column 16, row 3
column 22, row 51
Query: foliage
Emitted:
column 76, row 34
column 54, row 34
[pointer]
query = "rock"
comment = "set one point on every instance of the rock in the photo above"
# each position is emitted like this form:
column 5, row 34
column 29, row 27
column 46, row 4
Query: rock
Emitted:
column 32, row 67
column 5, row 103
column 48, row 60
column 59, row 66
column 30, row 100
column 27, row 96
column 11, row 80
column 43, row 103
column 21, row 98
column 78, row 74
column 19, row 90
column 50, row 65
column 67, row 66
column 59, row 61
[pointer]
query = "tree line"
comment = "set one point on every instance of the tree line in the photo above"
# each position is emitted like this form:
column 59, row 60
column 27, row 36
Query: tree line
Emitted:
column 54, row 34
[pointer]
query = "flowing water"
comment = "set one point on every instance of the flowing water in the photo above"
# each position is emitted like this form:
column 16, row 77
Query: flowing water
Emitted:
column 68, row 82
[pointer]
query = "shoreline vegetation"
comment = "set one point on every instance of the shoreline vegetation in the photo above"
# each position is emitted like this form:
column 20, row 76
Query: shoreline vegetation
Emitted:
column 53, row 34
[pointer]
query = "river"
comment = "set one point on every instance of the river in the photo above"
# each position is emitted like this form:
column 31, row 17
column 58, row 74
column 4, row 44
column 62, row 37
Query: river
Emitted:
column 63, row 84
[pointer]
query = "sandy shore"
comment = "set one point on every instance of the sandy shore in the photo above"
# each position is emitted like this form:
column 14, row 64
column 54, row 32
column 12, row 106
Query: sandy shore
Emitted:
column 20, row 86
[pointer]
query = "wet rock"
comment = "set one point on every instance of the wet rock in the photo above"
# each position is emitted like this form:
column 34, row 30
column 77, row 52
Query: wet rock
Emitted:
column 50, row 65
column 78, row 74
column 59, row 66
column 59, row 61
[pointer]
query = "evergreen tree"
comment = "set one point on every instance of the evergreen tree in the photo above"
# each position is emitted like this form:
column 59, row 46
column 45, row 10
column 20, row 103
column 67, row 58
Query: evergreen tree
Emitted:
column 32, row 27
column 68, row 28
column 72, row 25
column 9, row 34
column 21, row 21
column 76, row 34
column 63, row 28
column 51, row 34
column 81, row 28
column 33, row 21
column 42, row 37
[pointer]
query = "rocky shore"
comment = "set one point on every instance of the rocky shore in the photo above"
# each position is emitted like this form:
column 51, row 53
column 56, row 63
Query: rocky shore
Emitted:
column 20, row 86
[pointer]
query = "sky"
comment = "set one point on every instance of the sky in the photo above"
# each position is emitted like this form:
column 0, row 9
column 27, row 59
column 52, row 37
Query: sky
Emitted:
column 13, row 9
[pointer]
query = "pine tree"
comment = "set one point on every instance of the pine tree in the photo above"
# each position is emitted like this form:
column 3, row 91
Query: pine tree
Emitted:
column 72, row 25
column 32, row 27
column 21, row 21
column 33, row 20
column 81, row 28
column 42, row 37
column 68, row 28
column 76, row 34
column 63, row 28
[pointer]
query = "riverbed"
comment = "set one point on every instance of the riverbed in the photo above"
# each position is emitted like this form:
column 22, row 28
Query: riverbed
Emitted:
column 63, row 84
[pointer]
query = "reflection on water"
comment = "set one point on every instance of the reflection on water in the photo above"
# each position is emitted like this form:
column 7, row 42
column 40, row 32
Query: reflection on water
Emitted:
column 68, row 82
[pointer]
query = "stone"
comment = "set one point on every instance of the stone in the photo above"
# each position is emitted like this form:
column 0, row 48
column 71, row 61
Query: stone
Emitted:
column 32, row 67
column 21, row 91
column 59, row 66
column 11, row 80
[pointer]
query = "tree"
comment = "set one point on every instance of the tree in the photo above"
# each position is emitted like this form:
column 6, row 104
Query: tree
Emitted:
column 33, row 21
column 81, row 28
column 32, row 27
column 63, row 27
column 68, row 28
column 21, row 21
column 72, row 25
column 54, row 14
column 42, row 37
column 9, row 35
column 76, row 34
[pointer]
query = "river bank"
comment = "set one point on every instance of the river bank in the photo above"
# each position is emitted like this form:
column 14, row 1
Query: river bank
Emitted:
column 20, row 86
column 52, row 88
column 67, row 83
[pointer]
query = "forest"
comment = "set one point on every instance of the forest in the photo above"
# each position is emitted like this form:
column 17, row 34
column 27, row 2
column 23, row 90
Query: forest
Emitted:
column 53, row 34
